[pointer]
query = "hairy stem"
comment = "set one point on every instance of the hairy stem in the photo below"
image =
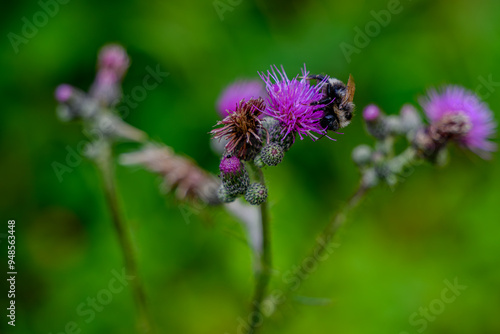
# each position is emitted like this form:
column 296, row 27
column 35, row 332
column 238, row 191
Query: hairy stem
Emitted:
column 331, row 229
column 263, row 267
column 104, row 162
column 325, row 238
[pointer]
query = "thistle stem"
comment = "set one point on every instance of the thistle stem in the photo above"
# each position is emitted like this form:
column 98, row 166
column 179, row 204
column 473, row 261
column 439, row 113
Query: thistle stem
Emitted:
column 264, row 265
column 104, row 162
column 326, row 236
column 331, row 229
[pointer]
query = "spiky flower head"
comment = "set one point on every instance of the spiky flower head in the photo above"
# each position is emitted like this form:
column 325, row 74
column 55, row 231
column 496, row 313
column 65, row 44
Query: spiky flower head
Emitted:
column 464, row 117
column 234, row 176
column 290, row 102
column 230, row 165
column 256, row 194
column 241, row 129
column 231, row 96
column 224, row 195
column 272, row 154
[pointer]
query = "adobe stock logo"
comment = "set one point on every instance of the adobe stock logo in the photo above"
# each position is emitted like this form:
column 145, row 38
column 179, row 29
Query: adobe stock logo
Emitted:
column 225, row 6
column 30, row 28
column 371, row 30
column 420, row 320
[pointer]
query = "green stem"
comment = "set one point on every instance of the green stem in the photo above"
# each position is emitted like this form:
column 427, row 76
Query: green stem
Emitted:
column 331, row 229
column 104, row 162
column 326, row 236
column 264, row 265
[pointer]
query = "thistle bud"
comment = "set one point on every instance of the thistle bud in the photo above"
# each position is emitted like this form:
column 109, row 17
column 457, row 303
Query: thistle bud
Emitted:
column 63, row 93
column 362, row 155
column 410, row 120
column 256, row 194
column 371, row 113
column 272, row 154
column 375, row 122
column 73, row 104
column 234, row 176
column 370, row 178
column 271, row 132
column 225, row 196
column 392, row 125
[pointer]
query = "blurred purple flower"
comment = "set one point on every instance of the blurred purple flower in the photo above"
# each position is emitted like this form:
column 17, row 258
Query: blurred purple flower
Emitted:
column 455, row 101
column 237, row 91
column 371, row 113
column 114, row 58
column 290, row 101
column 63, row 93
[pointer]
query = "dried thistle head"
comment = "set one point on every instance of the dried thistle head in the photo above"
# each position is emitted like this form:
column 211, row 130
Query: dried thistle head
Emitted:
column 241, row 129
column 179, row 173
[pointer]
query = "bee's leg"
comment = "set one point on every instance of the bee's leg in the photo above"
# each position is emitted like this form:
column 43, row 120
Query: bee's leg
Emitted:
column 318, row 77
column 325, row 100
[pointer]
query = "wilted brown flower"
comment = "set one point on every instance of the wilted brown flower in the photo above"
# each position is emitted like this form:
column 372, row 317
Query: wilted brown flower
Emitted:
column 241, row 128
column 179, row 173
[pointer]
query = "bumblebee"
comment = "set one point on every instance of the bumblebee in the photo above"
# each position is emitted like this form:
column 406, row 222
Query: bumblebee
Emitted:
column 337, row 99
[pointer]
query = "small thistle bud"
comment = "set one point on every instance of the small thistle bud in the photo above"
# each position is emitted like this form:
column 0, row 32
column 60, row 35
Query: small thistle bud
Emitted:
column 410, row 120
column 225, row 196
column 362, row 155
column 256, row 194
column 370, row 178
column 234, row 175
column 271, row 132
column 392, row 125
column 383, row 170
column 73, row 104
column 371, row 113
column 375, row 122
column 272, row 154
column 63, row 93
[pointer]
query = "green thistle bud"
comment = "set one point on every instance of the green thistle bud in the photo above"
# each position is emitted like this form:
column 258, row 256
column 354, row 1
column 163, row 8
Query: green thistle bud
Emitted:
column 272, row 154
column 234, row 175
column 256, row 194
column 225, row 196
column 362, row 155
column 271, row 133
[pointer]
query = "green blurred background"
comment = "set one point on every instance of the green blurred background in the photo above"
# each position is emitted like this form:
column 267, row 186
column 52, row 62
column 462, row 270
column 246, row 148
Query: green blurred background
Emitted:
column 396, row 251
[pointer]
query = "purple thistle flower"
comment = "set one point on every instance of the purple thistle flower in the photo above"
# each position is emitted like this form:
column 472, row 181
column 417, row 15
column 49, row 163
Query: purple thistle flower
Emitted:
column 455, row 101
column 237, row 91
column 114, row 58
column 63, row 93
column 290, row 101
column 230, row 165
column 371, row 113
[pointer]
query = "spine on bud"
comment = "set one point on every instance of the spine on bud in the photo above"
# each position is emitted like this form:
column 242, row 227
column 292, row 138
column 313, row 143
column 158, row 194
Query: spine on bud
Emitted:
column 256, row 194
column 235, row 178
column 272, row 154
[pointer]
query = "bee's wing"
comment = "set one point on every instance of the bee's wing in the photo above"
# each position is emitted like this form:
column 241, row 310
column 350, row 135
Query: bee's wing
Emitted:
column 351, row 88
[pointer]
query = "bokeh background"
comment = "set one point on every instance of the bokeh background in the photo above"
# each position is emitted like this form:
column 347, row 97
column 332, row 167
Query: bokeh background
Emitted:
column 393, row 256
